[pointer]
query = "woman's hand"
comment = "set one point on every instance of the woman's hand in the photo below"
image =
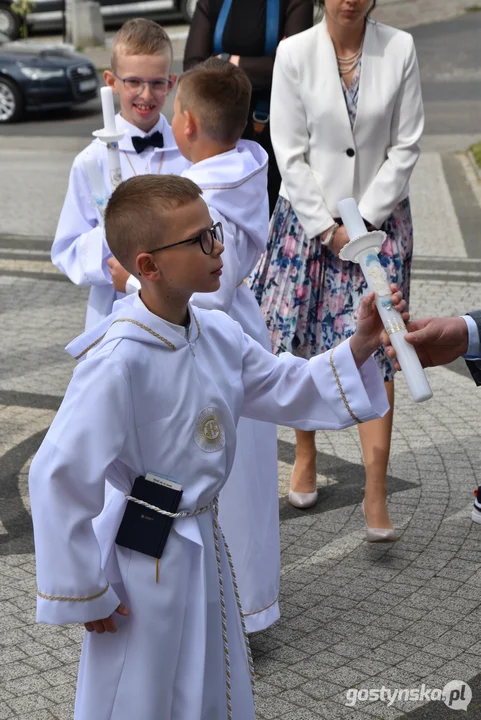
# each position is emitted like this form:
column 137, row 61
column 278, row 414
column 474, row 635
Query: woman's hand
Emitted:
column 340, row 239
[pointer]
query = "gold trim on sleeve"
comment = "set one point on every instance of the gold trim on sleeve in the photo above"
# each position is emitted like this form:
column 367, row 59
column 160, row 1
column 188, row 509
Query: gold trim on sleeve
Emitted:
column 343, row 395
column 74, row 599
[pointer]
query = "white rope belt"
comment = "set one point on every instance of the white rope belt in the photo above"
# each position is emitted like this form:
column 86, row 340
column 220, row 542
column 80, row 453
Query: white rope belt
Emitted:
column 214, row 505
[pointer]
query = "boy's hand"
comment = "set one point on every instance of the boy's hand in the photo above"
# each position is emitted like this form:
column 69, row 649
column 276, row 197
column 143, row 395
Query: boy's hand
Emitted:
column 119, row 274
column 107, row 624
column 437, row 340
column 367, row 337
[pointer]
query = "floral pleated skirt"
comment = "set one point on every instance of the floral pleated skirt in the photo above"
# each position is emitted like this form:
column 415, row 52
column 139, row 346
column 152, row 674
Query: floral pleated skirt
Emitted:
column 309, row 297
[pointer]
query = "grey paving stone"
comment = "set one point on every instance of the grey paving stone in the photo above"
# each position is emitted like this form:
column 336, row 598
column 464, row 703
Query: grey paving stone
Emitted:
column 347, row 676
column 286, row 679
column 287, row 654
column 29, row 704
column 381, row 711
column 458, row 639
column 445, row 651
column 349, row 649
column 272, row 707
column 320, row 688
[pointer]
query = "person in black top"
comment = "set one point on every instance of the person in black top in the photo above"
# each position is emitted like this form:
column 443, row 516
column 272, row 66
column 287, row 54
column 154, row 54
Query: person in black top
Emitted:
column 238, row 31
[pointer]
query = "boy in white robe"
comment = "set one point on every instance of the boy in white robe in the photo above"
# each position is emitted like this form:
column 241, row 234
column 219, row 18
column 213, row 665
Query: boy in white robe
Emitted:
column 210, row 114
column 161, row 387
column 141, row 76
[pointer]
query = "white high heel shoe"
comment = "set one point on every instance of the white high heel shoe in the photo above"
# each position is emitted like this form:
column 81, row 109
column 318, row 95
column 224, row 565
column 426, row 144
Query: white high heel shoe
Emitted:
column 378, row 535
column 302, row 500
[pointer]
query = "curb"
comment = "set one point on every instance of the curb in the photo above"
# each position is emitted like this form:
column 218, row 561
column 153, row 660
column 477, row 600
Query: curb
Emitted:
column 474, row 164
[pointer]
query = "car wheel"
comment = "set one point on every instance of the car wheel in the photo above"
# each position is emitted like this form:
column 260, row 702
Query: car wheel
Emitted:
column 9, row 22
column 11, row 103
column 187, row 8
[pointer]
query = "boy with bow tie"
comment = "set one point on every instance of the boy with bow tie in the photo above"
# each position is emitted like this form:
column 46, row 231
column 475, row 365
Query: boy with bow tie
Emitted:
column 141, row 75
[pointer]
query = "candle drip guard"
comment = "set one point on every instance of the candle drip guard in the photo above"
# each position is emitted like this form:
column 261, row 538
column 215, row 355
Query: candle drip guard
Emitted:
column 364, row 248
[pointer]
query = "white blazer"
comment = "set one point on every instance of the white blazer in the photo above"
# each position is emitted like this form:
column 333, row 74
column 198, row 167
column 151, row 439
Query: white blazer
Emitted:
column 320, row 158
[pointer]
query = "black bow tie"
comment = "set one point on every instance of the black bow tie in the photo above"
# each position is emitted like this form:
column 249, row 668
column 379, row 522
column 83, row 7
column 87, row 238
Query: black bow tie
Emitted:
column 154, row 140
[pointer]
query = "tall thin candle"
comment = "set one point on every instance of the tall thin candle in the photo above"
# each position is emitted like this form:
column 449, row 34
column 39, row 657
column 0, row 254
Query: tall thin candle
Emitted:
column 110, row 136
column 108, row 110
column 363, row 248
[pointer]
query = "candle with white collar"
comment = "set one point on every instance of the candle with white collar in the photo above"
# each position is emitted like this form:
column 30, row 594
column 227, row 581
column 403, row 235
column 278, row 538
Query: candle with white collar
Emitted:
column 99, row 194
column 110, row 136
column 363, row 248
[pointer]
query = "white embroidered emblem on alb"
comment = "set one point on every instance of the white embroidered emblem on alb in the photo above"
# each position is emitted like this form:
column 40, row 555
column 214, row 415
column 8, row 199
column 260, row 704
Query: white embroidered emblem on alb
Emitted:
column 209, row 432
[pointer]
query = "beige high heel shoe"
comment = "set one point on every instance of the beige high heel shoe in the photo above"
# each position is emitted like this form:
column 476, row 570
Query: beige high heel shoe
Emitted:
column 302, row 500
column 378, row 535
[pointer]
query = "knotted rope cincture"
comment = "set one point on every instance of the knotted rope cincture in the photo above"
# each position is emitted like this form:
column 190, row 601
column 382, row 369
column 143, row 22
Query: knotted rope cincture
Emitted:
column 214, row 505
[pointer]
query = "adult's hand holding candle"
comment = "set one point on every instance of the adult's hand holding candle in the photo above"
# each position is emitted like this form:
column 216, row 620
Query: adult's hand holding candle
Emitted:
column 363, row 248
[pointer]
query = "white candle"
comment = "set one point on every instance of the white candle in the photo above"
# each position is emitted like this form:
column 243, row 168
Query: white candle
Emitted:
column 94, row 176
column 351, row 217
column 108, row 110
column 363, row 248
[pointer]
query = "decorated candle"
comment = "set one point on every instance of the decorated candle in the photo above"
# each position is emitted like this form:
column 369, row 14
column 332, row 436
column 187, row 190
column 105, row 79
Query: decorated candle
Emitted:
column 110, row 136
column 363, row 248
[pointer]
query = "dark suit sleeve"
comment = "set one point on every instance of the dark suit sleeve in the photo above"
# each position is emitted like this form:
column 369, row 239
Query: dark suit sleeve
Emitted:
column 474, row 366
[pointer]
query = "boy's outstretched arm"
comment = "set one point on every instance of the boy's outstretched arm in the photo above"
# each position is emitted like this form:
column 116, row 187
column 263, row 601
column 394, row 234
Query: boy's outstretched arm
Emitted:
column 67, row 489
column 332, row 391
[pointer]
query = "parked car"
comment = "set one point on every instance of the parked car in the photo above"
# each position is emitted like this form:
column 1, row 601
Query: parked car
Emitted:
column 42, row 77
column 48, row 14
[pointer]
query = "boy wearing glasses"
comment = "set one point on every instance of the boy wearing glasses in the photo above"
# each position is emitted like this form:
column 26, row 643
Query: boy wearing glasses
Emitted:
column 141, row 76
column 159, row 390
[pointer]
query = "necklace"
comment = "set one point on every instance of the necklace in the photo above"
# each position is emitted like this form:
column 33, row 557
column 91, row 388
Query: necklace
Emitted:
column 347, row 64
column 133, row 169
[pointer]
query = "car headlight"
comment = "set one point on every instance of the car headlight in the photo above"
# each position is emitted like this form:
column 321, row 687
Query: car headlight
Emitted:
column 34, row 73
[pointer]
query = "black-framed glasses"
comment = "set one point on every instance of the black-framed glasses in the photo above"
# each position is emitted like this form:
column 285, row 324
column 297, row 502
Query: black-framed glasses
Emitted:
column 135, row 85
column 206, row 240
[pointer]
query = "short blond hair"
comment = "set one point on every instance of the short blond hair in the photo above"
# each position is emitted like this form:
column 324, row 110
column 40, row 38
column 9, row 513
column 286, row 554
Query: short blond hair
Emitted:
column 135, row 217
column 140, row 37
column 218, row 93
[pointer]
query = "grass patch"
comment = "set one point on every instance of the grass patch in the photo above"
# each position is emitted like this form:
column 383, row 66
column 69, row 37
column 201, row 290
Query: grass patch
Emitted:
column 476, row 150
column 473, row 8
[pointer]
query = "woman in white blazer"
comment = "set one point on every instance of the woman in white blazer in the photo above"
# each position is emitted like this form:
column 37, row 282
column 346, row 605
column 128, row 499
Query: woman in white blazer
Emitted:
column 346, row 119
